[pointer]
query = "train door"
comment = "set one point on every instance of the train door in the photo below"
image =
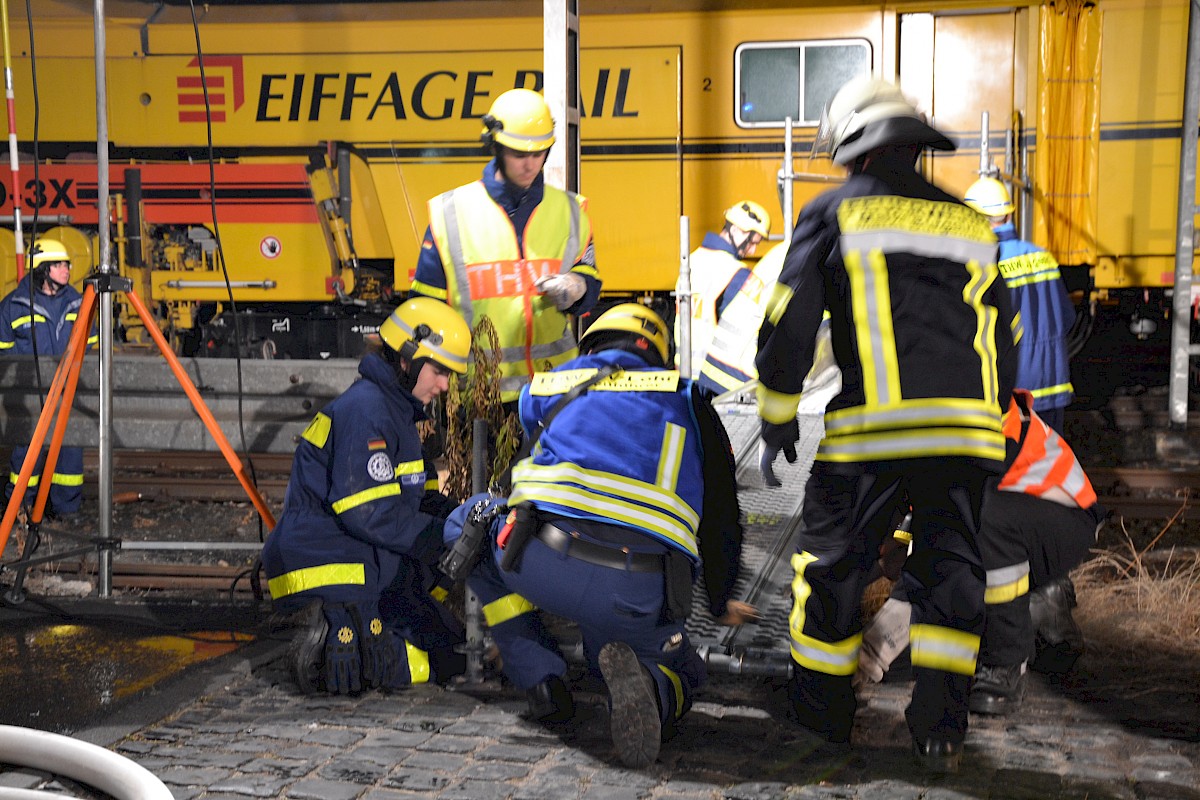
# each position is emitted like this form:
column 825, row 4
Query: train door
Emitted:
column 956, row 66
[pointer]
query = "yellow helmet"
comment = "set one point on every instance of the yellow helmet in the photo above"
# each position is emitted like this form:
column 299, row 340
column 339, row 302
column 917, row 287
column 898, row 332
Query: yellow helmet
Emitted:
column 750, row 216
column 632, row 318
column 520, row 120
column 427, row 328
column 989, row 196
column 49, row 251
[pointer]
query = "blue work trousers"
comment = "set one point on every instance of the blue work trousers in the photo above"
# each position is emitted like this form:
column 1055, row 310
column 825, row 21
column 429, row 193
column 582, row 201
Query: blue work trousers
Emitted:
column 608, row 604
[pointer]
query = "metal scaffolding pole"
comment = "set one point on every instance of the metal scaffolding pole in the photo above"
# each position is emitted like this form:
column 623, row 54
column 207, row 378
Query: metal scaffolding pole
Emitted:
column 104, row 564
column 1182, row 348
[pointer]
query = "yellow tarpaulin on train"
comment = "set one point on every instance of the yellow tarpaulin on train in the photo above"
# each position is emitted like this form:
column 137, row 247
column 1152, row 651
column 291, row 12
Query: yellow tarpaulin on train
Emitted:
column 1066, row 174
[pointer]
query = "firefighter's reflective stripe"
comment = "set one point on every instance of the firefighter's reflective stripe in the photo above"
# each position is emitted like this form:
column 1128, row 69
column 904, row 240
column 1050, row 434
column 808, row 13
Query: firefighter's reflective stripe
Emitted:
column 545, row 384
column 488, row 272
column 301, row 580
column 608, row 496
column 317, row 432
column 945, row 649
column 920, row 413
column 776, row 407
column 418, row 664
column 1044, row 462
column 913, row 444
column 34, row 479
column 1006, row 584
column 365, row 496
column 7, row 345
column 831, row 658
column 677, row 687
column 508, row 607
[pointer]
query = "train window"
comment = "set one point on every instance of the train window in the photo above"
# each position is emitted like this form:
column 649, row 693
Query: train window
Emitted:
column 776, row 80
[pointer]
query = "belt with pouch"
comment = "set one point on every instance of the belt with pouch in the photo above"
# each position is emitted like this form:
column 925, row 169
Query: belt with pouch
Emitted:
column 572, row 544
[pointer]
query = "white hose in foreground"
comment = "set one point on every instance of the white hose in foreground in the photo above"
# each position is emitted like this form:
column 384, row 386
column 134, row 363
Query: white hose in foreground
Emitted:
column 86, row 763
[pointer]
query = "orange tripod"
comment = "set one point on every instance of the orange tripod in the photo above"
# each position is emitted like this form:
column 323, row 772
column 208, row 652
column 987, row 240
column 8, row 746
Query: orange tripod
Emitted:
column 62, row 395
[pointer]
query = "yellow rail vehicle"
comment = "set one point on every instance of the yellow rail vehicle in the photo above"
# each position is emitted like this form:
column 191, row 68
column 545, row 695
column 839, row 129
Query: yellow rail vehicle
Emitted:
column 332, row 125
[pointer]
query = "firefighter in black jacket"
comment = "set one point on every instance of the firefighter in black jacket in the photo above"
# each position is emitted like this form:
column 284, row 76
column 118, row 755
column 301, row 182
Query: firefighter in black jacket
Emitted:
column 922, row 330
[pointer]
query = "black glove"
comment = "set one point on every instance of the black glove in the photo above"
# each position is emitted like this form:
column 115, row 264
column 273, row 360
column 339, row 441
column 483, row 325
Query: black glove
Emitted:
column 776, row 437
column 343, row 660
column 378, row 652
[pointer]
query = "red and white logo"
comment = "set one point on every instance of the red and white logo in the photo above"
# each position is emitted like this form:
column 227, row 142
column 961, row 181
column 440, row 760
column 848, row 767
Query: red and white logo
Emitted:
column 226, row 90
column 270, row 247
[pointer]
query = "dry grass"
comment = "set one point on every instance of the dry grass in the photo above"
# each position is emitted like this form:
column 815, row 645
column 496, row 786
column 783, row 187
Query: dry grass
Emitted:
column 1149, row 598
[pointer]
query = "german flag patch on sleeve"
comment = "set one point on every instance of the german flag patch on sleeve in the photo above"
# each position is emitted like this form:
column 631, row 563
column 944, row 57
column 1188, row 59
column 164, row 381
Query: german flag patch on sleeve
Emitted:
column 377, row 444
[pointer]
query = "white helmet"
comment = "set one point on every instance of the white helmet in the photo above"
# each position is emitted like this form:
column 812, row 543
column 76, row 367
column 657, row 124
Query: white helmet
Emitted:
column 867, row 113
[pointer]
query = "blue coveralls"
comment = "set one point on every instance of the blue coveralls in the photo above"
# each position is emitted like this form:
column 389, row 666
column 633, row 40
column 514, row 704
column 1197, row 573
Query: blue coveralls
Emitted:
column 621, row 468
column 1047, row 314
column 353, row 530
column 50, row 319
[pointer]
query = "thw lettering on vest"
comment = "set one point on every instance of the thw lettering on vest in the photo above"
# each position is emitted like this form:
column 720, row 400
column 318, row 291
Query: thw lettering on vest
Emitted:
column 507, row 278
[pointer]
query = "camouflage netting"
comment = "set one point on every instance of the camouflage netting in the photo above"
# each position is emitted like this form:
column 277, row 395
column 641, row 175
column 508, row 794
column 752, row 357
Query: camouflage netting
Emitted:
column 479, row 398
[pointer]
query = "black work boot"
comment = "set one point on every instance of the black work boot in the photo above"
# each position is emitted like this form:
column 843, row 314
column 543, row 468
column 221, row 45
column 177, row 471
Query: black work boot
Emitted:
column 1057, row 639
column 937, row 755
column 306, row 653
column 551, row 701
column 998, row 689
column 635, row 723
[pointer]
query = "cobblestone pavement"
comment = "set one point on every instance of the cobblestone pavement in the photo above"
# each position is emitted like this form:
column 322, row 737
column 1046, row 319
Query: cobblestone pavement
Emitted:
column 243, row 731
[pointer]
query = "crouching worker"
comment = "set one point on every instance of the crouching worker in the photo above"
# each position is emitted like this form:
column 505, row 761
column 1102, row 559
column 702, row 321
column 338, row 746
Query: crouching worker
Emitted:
column 353, row 549
column 1037, row 525
column 628, row 494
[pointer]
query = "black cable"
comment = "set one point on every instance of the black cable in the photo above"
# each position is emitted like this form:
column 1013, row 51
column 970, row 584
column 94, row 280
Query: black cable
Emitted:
column 220, row 253
column 37, row 121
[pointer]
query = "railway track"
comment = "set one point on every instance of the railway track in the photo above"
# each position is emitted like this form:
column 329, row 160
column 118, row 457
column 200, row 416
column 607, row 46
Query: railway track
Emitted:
column 1135, row 492
column 1132, row 492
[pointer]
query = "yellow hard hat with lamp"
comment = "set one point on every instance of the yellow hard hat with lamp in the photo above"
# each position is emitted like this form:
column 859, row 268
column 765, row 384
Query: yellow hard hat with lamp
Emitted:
column 520, row 120
column 427, row 328
column 632, row 318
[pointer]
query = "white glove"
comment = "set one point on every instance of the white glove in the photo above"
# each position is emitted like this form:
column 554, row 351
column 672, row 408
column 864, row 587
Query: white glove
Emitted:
column 563, row 290
column 883, row 641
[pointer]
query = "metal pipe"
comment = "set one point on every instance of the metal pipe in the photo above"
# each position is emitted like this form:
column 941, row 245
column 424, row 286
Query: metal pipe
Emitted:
column 473, row 610
column 43, row 220
column 263, row 284
column 89, row 764
column 683, row 300
column 985, row 157
column 748, row 662
column 787, row 177
column 1181, row 321
column 105, row 478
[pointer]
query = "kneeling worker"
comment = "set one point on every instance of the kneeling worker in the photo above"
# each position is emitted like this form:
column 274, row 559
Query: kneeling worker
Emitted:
column 1037, row 525
column 358, row 517
column 628, row 494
